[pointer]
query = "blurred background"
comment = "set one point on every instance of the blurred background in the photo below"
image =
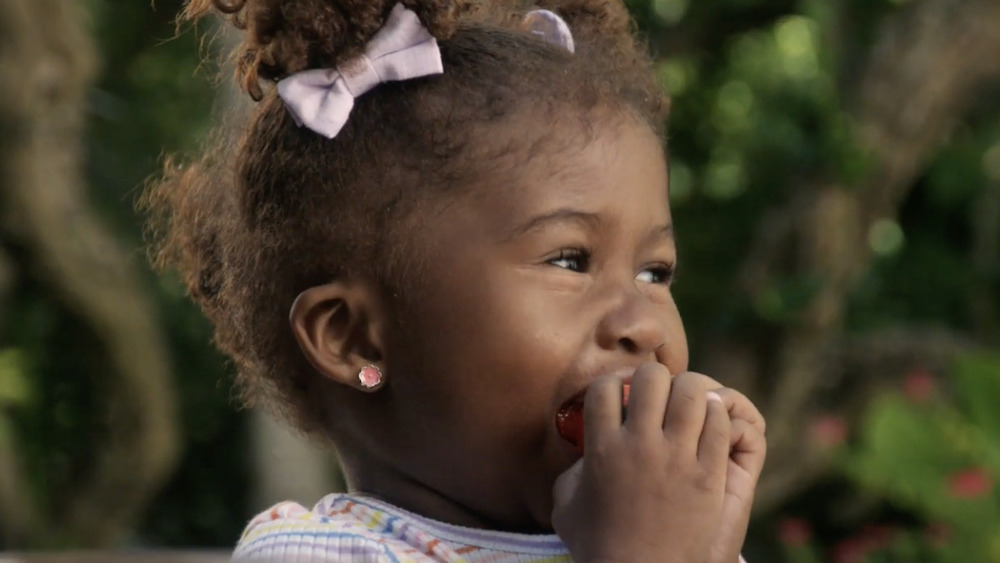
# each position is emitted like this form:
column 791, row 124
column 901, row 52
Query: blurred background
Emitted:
column 835, row 177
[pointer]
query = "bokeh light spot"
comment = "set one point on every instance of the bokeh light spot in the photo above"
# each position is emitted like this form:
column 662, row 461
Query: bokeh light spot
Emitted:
column 991, row 162
column 681, row 182
column 886, row 237
column 670, row 12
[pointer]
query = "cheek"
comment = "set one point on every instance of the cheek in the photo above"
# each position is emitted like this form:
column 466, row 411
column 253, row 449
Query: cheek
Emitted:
column 675, row 355
column 488, row 338
column 476, row 304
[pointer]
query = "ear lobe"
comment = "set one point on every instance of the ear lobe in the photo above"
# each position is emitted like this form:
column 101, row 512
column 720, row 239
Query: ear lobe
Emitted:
column 338, row 327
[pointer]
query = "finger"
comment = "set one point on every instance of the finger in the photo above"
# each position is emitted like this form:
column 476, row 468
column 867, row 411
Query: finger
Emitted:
column 602, row 412
column 740, row 407
column 713, row 444
column 736, row 510
column 704, row 381
column 647, row 402
column 748, row 447
column 564, row 489
column 685, row 415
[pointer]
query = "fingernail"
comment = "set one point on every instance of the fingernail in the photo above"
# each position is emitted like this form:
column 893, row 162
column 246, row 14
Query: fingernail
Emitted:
column 713, row 396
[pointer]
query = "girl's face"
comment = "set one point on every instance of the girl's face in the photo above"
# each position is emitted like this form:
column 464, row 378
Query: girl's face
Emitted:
column 530, row 292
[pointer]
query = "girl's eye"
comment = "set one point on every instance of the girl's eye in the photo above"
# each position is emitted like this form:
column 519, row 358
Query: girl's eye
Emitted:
column 661, row 274
column 575, row 260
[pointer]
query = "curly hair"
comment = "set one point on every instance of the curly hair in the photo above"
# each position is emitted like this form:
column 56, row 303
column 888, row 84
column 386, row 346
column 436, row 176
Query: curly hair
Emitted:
column 271, row 209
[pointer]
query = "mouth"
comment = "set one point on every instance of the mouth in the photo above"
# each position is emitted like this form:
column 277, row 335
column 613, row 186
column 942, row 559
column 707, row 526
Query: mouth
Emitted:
column 569, row 418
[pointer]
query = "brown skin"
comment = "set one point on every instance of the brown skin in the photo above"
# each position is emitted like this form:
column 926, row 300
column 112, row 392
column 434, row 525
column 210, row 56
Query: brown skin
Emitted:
column 530, row 294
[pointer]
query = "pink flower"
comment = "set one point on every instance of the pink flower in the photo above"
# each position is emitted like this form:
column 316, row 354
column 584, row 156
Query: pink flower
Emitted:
column 970, row 484
column 879, row 536
column 851, row 550
column 794, row 532
column 829, row 431
column 919, row 385
column 937, row 534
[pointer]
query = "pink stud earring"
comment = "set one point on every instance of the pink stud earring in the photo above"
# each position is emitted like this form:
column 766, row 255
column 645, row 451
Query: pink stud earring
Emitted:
column 370, row 377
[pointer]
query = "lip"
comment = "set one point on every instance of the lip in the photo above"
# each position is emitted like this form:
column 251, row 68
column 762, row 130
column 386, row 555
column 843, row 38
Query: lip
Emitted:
column 568, row 418
column 623, row 373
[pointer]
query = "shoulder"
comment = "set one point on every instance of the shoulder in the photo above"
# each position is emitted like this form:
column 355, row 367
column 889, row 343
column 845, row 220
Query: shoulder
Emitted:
column 357, row 528
column 330, row 532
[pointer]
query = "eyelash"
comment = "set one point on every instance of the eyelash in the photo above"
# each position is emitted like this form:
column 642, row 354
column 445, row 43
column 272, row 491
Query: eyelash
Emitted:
column 578, row 255
column 663, row 274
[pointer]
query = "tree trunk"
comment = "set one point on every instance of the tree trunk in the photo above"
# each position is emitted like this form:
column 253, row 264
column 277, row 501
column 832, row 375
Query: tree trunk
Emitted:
column 930, row 60
column 47, row 63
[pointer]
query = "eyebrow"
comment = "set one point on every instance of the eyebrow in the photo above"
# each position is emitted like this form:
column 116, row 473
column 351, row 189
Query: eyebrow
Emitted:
column 666, row 231
column 571, row 215
column 562, row 215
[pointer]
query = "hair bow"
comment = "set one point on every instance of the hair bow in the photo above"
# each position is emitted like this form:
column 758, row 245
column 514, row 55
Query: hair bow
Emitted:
column 322, row 99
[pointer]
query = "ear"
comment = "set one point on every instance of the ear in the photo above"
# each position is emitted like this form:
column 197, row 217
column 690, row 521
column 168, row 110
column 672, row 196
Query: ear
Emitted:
column 339, row 327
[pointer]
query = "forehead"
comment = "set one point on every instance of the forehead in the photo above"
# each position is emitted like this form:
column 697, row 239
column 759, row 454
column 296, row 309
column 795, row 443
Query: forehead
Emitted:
column 615, row 176
column 614, row 166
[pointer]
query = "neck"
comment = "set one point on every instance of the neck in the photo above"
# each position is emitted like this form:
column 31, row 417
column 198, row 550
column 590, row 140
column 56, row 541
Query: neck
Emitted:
column 384, row 483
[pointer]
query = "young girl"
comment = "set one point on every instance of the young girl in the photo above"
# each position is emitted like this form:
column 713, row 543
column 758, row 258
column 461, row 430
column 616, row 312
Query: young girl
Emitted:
column 441, row 238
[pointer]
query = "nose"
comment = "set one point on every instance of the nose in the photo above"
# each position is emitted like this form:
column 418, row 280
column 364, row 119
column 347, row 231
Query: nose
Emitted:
column 633, row 325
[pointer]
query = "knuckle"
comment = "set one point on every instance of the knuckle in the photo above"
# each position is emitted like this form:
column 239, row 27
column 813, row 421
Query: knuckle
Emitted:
column 685, row 378
column 643, row 378
column 694, row 383
column 688, row 395
column 601, row 449
column 651, row 370
column 703, row 380
column 719, row 435
column 649, row 455
column 705, row 482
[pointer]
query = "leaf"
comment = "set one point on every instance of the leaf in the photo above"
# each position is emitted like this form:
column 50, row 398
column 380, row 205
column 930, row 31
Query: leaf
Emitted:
column 977, row 381
column 913, row 454
column 15, row 389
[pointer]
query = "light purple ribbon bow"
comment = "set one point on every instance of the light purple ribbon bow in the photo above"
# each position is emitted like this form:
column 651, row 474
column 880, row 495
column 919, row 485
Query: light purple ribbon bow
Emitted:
column 322, row 99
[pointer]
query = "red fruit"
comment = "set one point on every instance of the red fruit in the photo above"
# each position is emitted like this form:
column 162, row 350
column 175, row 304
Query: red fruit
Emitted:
column 569, row 424
column 969, row 484
column 569, row 420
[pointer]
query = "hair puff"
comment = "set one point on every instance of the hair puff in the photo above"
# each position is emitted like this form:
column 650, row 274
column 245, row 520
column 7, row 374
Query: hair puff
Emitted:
column 282, row 37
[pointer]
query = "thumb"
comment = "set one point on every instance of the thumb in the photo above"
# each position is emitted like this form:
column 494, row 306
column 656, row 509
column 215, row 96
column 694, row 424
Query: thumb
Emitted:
column 566, row 485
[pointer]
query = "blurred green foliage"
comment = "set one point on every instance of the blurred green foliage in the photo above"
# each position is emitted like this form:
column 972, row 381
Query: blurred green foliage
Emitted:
column 934, row 454
column 152, row 98
column 758, row 112
column 155, row 96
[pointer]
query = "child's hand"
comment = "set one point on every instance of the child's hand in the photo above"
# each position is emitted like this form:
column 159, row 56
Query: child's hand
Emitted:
column 654, row 487
column 746, row 460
